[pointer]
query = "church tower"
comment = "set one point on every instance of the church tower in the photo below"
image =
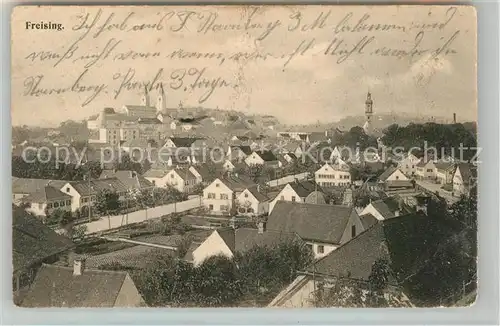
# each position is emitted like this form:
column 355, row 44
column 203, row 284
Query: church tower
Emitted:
column 145, row 97
column 161, row 105
column 368, row 113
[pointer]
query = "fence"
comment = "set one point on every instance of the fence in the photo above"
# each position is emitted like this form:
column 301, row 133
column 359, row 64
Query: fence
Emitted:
column 287, row 179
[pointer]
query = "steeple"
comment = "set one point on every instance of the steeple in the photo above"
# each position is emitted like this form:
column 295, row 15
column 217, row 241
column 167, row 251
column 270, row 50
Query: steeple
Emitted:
column 145, row 97
column 161, row 106
column 368, row 113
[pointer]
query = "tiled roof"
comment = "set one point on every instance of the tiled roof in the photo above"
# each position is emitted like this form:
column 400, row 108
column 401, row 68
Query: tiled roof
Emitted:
column 149, row 121
column 29, row 186
column 406, row 242
column 258, row 195
column 388, row 206
column 185, row 174
column 86, row 188
column 325, row 223
column 56, row 286
column 243, row 239
column 387, row 173
column 315, row 197
column 204, row 171
column 267, row 156
column 48, row 193
column 182, row 142
column 235, row 183
column 137, row 257
column 467, row 171
column 33, row 241
column 155, row 173
column 131, row 179
column 244, row 148
column 444, row 166
column 304, row 188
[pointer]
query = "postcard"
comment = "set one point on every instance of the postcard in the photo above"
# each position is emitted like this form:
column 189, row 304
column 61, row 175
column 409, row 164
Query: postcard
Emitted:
column 244, row 156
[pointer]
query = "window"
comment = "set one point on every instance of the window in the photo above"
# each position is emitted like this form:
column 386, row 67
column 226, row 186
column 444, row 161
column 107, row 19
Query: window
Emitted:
column 282, row 198
column 211, row 195
column 250, row 210
column 217, row 185
column 224, row 196
column 68, row 202
column 49, row 205
column 56, row 204
column 40, row 206
column 62, row 204
column 154, row 183
column 67, row 189
column 310, row 246
column 211, row 207
column 293, row 198
column 429, row 170
column 172, row 175
column 224, row 207
column 246, row 195
column 321, row 249
column 353, row 231
column 397, row 177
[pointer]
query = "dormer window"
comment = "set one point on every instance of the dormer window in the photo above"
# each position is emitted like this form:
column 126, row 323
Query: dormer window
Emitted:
column 67, row 189
column 246, row 195
column 217, row 185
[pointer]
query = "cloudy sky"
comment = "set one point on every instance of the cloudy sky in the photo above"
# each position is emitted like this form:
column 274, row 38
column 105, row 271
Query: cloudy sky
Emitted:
column 311, row 87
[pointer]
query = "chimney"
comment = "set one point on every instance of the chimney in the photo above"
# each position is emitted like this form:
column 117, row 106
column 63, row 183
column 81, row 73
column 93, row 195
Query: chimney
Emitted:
column 262, row 227
column 78, row 266
column 258, row 188
column 454, row 118
column 326, row 133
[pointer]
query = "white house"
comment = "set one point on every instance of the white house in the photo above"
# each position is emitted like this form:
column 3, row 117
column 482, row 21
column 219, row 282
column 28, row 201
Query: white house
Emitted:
column 230, row 166
column 298, row 192
column 333, row 175
column 444, row 172
column 47, row 200
column 238, row 153
column 263, row 158
column 181, row 179
column 219, row 197
column 323, row 227
column 384, row 209
column 252, row 202
column 408, row 164
column 426, row 170
column 464, row 179
column 393, row 178
column 228, row 241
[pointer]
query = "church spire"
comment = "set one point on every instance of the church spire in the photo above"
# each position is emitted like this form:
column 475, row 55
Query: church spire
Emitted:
column 161, row 105
column 145, row 97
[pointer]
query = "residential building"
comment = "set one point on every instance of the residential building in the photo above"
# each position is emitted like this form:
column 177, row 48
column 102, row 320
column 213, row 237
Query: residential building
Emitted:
column 84, row 192
column 464, row 179
column 231, row 166
column 251, row 202
column 132, row 180
column 298, row 192
column 181, row 179
column 386, row 208
column 393, row 178
column 266, row 158
column 22, row 187
column 219, row 197
column 238, row 153
column 333, row 175
column 33, row 243
column 408, row 164
column 47, row 200
column 407, row 253
column 444, row 172
column 180, row 142
column 157, row 176
column 426, row 170
column 203, row 173
column 323, row 227
column 228, row 241
column 77, row 287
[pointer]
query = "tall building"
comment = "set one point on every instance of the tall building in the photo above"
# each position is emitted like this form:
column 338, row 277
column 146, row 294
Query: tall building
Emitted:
column 367, row 127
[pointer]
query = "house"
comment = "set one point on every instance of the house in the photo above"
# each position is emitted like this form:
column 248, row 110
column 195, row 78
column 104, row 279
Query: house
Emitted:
column 238, row 153
column 266, row 158
column 229, row 241
column 33, row 243
column 76, row 287
column 84, row 192
column 444, row 172
column 426, row 170
column 131, row 179
column 156, row 176
column 46, row 200
column 408, row 164
column 181, row 179
column 22, row 187
column 394, row 178
column 202, row 173
column 251, row 202
column 464, row 179
column 333, row 175
column 386, row 208
column 406, row 243
column 179, row 142
column 219, row 197
column 298, row 192
column 231, row 166
column 323, row 227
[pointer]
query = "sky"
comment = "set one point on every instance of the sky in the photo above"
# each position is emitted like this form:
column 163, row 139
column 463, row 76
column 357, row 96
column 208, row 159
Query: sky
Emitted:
column 312, row 87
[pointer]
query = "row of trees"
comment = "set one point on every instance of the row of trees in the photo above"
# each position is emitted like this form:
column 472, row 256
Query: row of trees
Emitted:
column 250, row 278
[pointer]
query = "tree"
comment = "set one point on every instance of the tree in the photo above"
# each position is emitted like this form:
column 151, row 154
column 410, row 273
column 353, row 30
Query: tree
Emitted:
column 63, row 219
column 144, row 198
column 107, row 202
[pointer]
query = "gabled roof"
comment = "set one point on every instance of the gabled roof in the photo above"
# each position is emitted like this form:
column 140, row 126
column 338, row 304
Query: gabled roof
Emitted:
column 131, row 179
column 239, row 183
column 29, row 186
column 204, row 171
column 243, row 239
column 56, row 286
column 33, row 241
column 138, row 143
column 155, row 173
column 388, row 206
column 267, row 156
column 247, row 150
column 387, row 173
column 304, row 188
column 325, row 223
column 185, row 174
column 144, row 120
column 183, row 142
column 368, row 220
column 444, row 166
column 406, row 242
column 258, row 195
column 315, row 197
column 48, row 193
column 86, row 188
column 467, row 171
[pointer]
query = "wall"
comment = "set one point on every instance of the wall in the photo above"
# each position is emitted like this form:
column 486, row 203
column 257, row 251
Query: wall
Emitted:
column 217, row 202
column 129, row 295
column 354, row 220
column 327, row 248
column 212, row 246
column 75, row 200
column 287, row 194
column 397, row 176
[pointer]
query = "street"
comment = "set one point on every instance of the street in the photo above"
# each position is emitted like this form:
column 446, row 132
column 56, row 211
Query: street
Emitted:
column 433, row 187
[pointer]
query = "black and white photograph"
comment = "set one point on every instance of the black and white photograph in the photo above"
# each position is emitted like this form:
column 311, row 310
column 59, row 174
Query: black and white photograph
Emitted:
column 271, row 156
